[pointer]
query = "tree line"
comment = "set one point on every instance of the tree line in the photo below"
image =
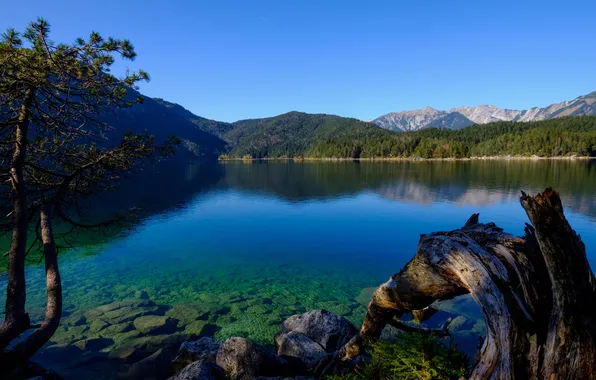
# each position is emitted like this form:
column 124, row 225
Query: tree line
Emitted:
column 568, row 136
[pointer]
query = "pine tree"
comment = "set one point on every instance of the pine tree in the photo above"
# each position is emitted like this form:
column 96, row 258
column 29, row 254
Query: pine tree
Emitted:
column 55, row 151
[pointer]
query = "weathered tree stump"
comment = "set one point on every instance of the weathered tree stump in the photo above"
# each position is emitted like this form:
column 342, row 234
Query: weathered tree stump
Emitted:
column 537, row 293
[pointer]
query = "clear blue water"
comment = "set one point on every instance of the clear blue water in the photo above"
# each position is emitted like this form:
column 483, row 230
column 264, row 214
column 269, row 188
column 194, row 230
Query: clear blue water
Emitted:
column 293, row 236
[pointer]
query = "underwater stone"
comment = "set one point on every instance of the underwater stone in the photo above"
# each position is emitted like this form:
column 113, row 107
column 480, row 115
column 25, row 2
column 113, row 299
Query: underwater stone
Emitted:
column 125, row 336
column 97, row 325
column 300, row 346
column 195, row 328
column 155, row 342
column 77, row 319
column 94, row 344
column 65, row 334
column 200, row 370
column 203, row 349
column 458, row 323
column 153, row 324
column 154, row 366
column 226, row 319
column 117, row 329
column 329, row 330
column 187, row 313
column 127, row 354
column 129, row 313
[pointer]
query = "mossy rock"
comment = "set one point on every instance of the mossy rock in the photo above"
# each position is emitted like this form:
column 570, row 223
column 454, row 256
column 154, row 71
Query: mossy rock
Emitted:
column 226, row 319
column 119, row 328
column 97, row 325
column 94, row 344
column 127, row 314
column 155, row 324
column 126, row 336
column 74, row 319
column 195, row 328
column 66, row 334
column 187, row 313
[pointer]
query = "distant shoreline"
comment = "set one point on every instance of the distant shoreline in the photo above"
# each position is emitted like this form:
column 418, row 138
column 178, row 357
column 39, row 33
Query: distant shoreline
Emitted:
column 484, row 158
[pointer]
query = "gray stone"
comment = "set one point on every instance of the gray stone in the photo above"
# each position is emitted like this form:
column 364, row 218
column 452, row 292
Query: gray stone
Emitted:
column 189, row 352
column 329, row 330
column 154, row 324
column 300, row 346
column 243, row 360
column 200, row 370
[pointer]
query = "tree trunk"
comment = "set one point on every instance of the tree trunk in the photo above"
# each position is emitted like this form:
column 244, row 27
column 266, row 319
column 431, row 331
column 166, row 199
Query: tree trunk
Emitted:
column 17, row 320
column 537, row 292
column 22, row 351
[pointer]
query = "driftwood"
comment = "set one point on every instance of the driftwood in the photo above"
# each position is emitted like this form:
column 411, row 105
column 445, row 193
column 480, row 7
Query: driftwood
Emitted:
column 537, row 293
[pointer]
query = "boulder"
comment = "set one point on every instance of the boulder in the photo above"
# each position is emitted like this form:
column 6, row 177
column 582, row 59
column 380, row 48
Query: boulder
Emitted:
column 329, row 330
column 298, row 345
column 155, row 324
column 203, row 349
column 200, row 370
column 243, row 360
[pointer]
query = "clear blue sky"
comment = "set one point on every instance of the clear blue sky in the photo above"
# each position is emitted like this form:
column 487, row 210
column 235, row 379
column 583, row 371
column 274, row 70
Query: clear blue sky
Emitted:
column 230, row 60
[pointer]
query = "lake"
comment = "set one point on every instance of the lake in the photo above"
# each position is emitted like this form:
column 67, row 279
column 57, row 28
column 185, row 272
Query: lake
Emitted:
column 246, row 244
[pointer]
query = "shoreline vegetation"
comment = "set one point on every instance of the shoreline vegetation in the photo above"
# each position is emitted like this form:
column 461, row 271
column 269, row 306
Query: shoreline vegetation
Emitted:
column 302, row 136
column 224, row 158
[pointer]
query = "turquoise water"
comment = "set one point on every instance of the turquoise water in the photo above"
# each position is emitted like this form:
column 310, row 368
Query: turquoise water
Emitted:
column 251, row 243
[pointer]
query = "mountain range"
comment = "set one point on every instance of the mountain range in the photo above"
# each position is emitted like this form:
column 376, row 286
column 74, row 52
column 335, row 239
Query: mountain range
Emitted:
column 320, row 135
column 457, row 118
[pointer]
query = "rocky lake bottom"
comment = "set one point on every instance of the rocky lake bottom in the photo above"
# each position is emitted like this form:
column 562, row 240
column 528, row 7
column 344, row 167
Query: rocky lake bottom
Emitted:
column 234, row 249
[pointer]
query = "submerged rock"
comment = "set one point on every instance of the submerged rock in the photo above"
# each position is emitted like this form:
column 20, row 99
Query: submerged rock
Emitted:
column 329, row 330
column 188, row 313
column 189, row 352
column 200, row 370
column 154, row 324
column 153, row 367
column 94, row 344
column 119, row 328
column 97, row 325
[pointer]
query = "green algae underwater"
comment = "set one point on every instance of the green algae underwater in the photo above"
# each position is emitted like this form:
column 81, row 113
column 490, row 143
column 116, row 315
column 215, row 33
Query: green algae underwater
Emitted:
column 231, row 249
